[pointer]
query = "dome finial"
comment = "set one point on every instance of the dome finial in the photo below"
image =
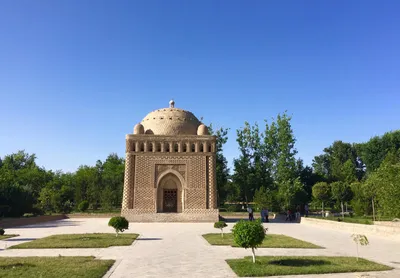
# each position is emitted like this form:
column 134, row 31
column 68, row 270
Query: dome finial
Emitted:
column 171, row 103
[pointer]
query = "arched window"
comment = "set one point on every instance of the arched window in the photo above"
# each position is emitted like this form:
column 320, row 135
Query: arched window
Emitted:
column 158, row 147
column 184, row 147
column 209, row 148
column 176, row 147
column 167, row 147
column 150, row 146
column 193, row 148
column 201, row 147
column 141, row 147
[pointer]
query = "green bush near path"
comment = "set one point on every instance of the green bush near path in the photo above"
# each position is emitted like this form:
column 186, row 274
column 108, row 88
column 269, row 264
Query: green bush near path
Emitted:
column 270, row 265
column 50, row 267
column 79, row 241
column 270, row 241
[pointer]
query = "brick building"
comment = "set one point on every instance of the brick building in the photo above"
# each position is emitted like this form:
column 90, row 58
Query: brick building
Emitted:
column 170, row 169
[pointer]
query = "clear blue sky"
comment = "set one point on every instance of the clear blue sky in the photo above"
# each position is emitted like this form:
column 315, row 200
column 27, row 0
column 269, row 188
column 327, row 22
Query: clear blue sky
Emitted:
column 76, row 76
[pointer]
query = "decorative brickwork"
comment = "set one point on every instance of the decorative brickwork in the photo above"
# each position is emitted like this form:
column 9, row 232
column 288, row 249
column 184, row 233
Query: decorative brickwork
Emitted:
column 128, row 194
column 170, row 159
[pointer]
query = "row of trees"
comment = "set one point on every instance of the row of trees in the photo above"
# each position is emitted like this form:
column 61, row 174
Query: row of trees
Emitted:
column 378, row 193
column 364, row 175
column 27, row 188
column 267, row 172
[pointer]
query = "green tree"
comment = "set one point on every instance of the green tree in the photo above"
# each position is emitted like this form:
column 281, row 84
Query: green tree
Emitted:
column 86, row 185
column 266, row 198
column 222, row 170
column 361, row 202
column 373, row 152
column 119, row 223
column 341, row 192
column 232, row 192
column 220, row 225
column 21, row 181
column 249, row 234
column 339, row 162
column 321, row 191
column 383, row 185
column 113, row 177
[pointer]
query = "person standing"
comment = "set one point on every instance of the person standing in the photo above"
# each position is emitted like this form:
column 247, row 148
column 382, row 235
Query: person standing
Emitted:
column 250, row 211
column 266, row 215
column 306, row 210
column 262, row 212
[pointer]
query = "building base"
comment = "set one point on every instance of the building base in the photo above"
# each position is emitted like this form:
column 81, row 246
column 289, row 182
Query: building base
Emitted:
column 204, row 215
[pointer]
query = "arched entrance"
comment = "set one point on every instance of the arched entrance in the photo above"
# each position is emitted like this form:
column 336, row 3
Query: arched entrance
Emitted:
column 169, row 194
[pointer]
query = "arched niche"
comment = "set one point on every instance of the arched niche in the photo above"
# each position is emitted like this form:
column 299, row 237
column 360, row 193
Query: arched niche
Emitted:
column 170, row 192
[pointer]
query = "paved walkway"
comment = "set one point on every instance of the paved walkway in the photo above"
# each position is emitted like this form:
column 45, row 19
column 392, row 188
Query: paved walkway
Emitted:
column 179, row 250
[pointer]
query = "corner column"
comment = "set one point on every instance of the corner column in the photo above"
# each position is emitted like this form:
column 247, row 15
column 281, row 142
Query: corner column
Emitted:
column 212, row 183
column 127, row 198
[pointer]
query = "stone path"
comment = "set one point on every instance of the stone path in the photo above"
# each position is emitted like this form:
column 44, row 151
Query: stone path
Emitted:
column 179, row 250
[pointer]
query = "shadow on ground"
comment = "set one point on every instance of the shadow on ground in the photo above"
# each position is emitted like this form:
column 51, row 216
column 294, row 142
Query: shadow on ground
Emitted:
column 19, row 239
column 149, row 239
column 299, row 262
column 53, row 224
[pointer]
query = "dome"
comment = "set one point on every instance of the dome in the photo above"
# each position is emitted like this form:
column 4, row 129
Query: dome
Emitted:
column 138, row 129
column 170, row 121
column 202, row 130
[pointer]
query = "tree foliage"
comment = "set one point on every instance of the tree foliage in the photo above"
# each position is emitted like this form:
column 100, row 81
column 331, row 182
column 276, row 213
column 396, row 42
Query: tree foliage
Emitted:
column 321, row 191
column 248, row 234
column 341, row 192
column 119, row 223
column 384, row 186
column 267, row 163
column 220, row 225
column 222, row 170
column 27, row 188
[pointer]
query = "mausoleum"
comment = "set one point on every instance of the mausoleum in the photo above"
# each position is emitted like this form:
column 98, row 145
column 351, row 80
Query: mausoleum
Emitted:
column 170, row 169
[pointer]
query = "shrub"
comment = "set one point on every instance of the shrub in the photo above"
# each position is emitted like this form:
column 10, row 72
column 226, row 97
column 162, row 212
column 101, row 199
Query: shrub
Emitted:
column 119, row 223
column 360, row 239
column 83, row 206
column 2, row 231
column 220, row 225
column 249, row 234
column 68, row 206
column 233, row 208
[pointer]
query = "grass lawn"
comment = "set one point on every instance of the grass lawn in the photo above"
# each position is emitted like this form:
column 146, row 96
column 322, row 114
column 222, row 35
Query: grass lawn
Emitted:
column 270, row 266
column 79, row 241
column 49, row 267
column 270, row 241
column 7, row 236
column 347, row 219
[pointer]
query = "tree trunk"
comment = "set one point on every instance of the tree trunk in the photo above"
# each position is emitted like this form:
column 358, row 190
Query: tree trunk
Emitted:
column 254, row 255
column 323, row 215
column 357, row 250
column 116, row 234
column 373, row 209
column 346, row 207
column 341, row 203
column 222, row 233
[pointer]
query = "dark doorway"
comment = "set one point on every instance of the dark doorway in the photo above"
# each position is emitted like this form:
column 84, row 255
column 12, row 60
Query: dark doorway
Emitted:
column 170, row 200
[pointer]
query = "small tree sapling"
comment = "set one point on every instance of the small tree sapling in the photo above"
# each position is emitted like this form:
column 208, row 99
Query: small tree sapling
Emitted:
column 360, row 239
column 249, row 234
column 119, row 223
column 220, row 225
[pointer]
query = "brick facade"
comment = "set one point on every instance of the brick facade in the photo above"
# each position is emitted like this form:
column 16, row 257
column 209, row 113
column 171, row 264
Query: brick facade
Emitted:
column 183, row 163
